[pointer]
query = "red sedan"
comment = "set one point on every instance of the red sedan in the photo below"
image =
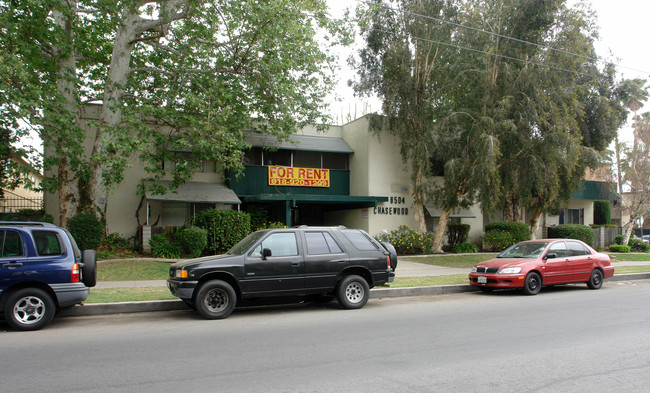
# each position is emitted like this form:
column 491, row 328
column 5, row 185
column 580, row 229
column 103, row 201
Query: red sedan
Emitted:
column 532, row 264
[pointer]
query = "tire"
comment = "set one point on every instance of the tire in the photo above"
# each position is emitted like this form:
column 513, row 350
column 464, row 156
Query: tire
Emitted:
column 89, row 270
column 215, row 299
column 532, row 284
column 353, row 292
column 393, row 254
column 29, row 309
column 596, row 279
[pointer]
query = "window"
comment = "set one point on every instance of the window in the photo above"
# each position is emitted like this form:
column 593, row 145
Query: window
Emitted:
column 576, row 249
column 277, row 158
column 321, row 243
column 572, row 216
column 182, row 158
column 359, row 240
column 47, row 243
column 281, row 244
column 11, row 244
column 307, row 159
column 335, row 161
column 559, row 249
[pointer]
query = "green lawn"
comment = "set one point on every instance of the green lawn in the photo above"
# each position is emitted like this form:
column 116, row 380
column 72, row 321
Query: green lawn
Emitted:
column 118, row 295
column 132, row 270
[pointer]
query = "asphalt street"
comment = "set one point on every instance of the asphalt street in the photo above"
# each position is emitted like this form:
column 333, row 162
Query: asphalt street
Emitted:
column 566, row 339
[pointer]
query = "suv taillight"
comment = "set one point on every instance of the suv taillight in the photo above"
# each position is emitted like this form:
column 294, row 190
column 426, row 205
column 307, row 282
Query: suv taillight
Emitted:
column 75, row 273
column 388, row 261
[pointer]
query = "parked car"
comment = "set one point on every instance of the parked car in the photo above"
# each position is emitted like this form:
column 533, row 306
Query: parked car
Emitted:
column 322, row 262
column 41, row 270
column 532, row 264
column 646, row 238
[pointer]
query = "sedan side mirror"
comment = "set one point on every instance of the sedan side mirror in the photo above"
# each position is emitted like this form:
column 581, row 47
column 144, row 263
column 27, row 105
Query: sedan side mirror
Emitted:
column 266, row 252
column 550, row 255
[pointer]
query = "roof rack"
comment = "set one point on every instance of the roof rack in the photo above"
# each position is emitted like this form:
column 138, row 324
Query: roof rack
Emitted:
column 28, row 223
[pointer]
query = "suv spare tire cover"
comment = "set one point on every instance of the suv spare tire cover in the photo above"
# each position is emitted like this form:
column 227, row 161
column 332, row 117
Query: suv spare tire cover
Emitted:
column 393, row 254
column 89, row 270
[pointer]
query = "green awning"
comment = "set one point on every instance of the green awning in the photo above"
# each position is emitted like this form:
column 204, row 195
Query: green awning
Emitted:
column 341, row 201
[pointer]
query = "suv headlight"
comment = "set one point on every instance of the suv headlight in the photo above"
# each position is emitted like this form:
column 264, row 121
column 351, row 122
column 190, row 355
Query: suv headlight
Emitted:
column 510, row 270
column 181, row 273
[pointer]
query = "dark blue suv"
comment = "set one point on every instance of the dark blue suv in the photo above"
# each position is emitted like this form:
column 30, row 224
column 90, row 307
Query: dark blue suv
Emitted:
column 41, row 270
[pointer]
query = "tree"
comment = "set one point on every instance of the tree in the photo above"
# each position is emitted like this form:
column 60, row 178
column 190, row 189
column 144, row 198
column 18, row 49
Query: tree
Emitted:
column 636, row 168
column 167, row 76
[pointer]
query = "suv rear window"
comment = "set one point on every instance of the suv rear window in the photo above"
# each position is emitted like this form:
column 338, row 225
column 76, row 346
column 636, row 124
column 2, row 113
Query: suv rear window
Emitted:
column 47, row 243
column 359, row 240
column 11, row 245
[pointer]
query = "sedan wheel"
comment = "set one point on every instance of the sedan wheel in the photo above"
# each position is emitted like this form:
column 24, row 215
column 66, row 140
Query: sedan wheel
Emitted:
column 215, row 299
column 596, row 279
column 532, row 284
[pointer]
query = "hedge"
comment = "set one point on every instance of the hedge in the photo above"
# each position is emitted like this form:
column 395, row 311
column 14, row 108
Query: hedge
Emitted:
column 87, row 231
column 501, row 235
column 193, row 240
column 225, row 228
column 602, row 213
column 572, row 231
column 457, row 233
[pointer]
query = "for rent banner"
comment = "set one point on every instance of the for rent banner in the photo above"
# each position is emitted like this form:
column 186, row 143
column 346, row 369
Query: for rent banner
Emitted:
column 304, row 177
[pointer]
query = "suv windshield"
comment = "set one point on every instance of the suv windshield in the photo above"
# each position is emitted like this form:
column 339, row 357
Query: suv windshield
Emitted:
column 245, row 243
column 524, row 250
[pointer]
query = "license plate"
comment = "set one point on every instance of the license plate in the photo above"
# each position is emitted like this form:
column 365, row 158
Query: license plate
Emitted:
column 482, row 280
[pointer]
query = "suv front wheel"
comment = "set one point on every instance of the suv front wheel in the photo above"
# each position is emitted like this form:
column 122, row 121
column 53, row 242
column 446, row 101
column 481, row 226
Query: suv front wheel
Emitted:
column 216, row 299
column 353, row 292
column 29, row 309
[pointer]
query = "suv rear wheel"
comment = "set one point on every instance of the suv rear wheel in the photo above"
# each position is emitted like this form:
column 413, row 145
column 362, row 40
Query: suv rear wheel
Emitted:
column 353, row 292
column 29, row 309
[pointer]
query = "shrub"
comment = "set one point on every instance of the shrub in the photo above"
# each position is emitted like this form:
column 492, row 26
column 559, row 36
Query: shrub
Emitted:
column 408, row 241
column 464, row 248
column 27, row 215
column 501, row 235
column 572, row 231
column 457, row 233
column 619, row 248
column 192, row 240
column 161, row 247
column 639, row 245
column 87, row 230
column 225, row 228
column 114, row 241
column 618, row 239
column 602, row 213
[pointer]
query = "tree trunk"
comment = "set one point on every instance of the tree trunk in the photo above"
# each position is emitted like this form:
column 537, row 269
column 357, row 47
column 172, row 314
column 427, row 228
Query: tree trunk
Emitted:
column 535, row 221
column 418, row 201
column 436, row 245
column 68, row 192
column 627, row 231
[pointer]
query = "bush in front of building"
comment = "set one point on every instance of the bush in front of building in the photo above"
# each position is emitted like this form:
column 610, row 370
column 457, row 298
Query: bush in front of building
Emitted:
column 464, row 248
column 457, row 233
column 225, row 228
column 87, row 230
column 572, row 231
column 27, row 215
column 408, row 241
column 619, row 248
column 162, row 247
column 192, row 240
column 638, row 245
column 602, row 213
column 501, row 235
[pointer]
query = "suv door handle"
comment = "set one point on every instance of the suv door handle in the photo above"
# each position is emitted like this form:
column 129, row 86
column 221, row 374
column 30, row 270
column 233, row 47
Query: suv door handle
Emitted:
column 12, row 264
column 295, row 264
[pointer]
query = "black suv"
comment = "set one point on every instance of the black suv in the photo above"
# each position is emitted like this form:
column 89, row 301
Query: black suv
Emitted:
column 41, row 269
column 325, row 262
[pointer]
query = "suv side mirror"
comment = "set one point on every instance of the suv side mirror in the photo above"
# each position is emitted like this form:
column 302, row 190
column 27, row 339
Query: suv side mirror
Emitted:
column 266, row 252
column 550, row 255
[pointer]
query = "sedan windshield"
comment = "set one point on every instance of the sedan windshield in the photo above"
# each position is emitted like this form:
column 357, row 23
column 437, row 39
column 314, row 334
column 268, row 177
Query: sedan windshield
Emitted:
column 524, row 250
column 246, row 243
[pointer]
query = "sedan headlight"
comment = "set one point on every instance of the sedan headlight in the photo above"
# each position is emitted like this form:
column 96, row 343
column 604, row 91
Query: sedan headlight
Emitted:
column 474, row 270
column 510, row 270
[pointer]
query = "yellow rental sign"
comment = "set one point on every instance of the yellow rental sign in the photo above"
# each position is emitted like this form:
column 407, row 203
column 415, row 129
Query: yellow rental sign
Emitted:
column 302, row 177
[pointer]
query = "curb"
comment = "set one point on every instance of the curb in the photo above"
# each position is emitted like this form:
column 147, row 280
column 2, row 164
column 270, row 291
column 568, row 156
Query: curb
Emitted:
column 175, row 305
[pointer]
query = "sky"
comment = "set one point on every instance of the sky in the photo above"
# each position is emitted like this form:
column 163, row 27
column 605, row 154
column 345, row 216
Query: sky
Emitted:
column 623, row 32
